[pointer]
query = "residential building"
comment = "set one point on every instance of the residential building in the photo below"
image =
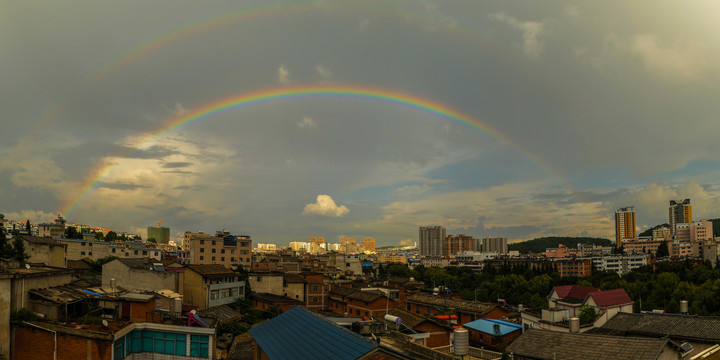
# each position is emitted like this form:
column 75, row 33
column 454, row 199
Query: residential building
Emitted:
column 348, row 245
column 622, row 264
column 495, row 245
column 159, row 233
column 680, row 248
column 624, row 224
column 573, row 267
column 318, row 338
column 435, row 261
column 361, row 303
column 368, row 244
column 680, row 211
column 642, row 246
column 492, row 333
column 222, row 248
column 316, row 244
column 211, row 285
column 466, row 311
column 697, row 231
column 458, row 244
column 78, row 249
column 662, row 233
column 438, row 331
column 570, row 299
column 540, row 344
column 42, row 340
column 55, row 230
column 265, row 301
column 270, row 282
column 45, row 250
column 432, row 240
column 144, row 274
column 391, row 259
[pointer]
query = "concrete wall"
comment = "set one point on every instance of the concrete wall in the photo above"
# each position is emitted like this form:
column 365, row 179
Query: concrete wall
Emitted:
column 34, row 343
column 195, row 291
column 4, row 316
column 47, row 254
column 24, row 283
column 133, row 279
column 266, row 283
column 238, row 286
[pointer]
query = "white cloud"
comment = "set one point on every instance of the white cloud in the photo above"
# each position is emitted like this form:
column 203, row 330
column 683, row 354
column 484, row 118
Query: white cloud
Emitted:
column 283, row 74
column 35, row 216
column 325, row 72
column 531, row 30
column 680, row 61
column 325, row 205
column 306, row 122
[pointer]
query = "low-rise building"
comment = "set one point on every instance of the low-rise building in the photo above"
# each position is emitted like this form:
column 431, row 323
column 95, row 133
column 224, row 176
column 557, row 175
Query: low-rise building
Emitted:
column 45, row 250
column 621, row 264
column 353, row 302
column 78, row 249
column 142, row 274
column 465, row 310
column 492, row 333
column 222, row 248
column 211, row 285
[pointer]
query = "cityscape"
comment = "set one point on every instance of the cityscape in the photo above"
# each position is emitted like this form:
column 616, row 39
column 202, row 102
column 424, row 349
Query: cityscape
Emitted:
column 376, row 179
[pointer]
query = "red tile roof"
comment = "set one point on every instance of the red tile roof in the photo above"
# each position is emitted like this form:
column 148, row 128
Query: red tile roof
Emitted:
column 610, row 297
column 574, row 291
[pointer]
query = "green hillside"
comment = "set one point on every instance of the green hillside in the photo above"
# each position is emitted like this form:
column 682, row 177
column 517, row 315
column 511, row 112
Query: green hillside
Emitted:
column 540, row 244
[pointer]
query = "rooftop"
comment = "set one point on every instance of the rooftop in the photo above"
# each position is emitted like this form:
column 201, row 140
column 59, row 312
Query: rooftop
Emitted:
column 299, row 334
column 488, row 326
column 365, row 296
column 463, row 305
column 211, row 270
column 686, row 327
column 545, row 344
column 610, row 297
column 573, row 292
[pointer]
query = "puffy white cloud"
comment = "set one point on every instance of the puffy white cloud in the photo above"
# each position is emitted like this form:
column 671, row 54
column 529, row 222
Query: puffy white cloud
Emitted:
column 531, row 32
column 325, row 205
column 283, row 74
column 306, row 122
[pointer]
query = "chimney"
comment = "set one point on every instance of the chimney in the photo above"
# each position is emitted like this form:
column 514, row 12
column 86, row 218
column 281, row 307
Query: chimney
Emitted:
column 574, row 325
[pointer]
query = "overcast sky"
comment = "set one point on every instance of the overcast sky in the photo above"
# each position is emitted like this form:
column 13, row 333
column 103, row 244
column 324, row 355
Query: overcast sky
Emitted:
column 591, row 106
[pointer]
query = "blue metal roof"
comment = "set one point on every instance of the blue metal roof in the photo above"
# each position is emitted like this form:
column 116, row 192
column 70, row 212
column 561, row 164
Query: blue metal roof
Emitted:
column 487, row 326
column 298, row 334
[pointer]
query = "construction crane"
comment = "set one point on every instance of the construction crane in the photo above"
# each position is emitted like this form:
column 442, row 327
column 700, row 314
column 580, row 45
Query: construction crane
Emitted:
column 160, row 223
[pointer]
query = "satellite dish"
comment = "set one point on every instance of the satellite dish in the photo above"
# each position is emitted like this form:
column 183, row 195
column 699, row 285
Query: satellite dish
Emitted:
column 105, row 323
column 27, row 266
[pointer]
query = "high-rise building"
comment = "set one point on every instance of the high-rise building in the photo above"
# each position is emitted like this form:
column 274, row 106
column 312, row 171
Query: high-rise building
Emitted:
column 679, row 212
column 495, row 245
column 348, row 245
column 368, row 244
column 432, row 241
column 458, row 244
column 159, row 233
column 624, row 224
column 316, row 244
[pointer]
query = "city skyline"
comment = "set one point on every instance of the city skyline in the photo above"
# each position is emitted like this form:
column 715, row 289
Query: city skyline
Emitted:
column 285, row 120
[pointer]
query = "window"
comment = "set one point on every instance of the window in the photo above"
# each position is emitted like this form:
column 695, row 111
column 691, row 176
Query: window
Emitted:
column 315, row 299
column 214, row 294
column 202, row 250
column 144, row 252
column 315, row 287
column 202, row 242
column 82, row 253
column 155, row 342
column 83, row 244
column 232, row 259
column 259, row 278
column 234, row 291
column 90, row 253
column 199, row 345
column 213, row 258
column 202, row 257
column 232, row 251
column 224, row 293
column 357, row 312
column 222, row 258
column 213, row 243
column 222, row 251
column 213, row 251
column 113, row 250
column 136, row 252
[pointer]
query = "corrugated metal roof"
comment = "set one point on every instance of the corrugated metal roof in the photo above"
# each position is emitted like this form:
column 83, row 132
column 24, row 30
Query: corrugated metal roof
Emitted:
column 298, row 334
column 488, row 326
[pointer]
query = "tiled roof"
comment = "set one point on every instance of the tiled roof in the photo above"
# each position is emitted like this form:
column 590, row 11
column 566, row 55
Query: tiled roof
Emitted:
column 412, row 319
column 366, row 296
column 687, row 327
column 610, row 297
column 463, row 305
column 276, row 299
column 211, row 270
column 41, row 240
column 219, row 314
column 299, row 334
column 546, row 344
column 293, row 278
column 488, row 326
column 576, row 292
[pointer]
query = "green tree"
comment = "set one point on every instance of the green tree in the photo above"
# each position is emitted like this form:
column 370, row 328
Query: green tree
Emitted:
column 497, row 334
column 19, row 250
column 99, row 235
column 152, row 240
column 662, row 250
column 97, row 266
column 27, row 227
column 6, row 250
column 588, row 314
column 111, row 236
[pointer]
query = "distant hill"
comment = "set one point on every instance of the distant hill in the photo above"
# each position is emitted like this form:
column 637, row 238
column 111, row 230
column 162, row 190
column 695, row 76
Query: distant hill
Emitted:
column 540, row 244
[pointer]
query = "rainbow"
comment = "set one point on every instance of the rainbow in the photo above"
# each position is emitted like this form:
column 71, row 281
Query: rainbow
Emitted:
column 298, row 92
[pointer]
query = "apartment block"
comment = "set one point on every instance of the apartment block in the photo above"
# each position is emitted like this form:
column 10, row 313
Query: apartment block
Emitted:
column 221, row 248
column 624, row 224
column 78, row 249
column 432, row 240
column 495, row 245
column 679, row 211
column 368, row 244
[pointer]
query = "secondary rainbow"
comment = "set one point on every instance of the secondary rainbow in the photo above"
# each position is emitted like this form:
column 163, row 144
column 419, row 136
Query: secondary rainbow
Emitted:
column 295, row 92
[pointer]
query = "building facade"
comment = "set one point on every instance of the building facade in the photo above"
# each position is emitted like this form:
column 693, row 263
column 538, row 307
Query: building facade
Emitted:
column 624, row 224
column 680, row 211
column 160, row 234
column 495, row 245
column 432, row 240
column 222, row 248
column 368, row 244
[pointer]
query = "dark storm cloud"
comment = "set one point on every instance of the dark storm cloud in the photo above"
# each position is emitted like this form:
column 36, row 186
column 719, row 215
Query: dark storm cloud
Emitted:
column 177, row 164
